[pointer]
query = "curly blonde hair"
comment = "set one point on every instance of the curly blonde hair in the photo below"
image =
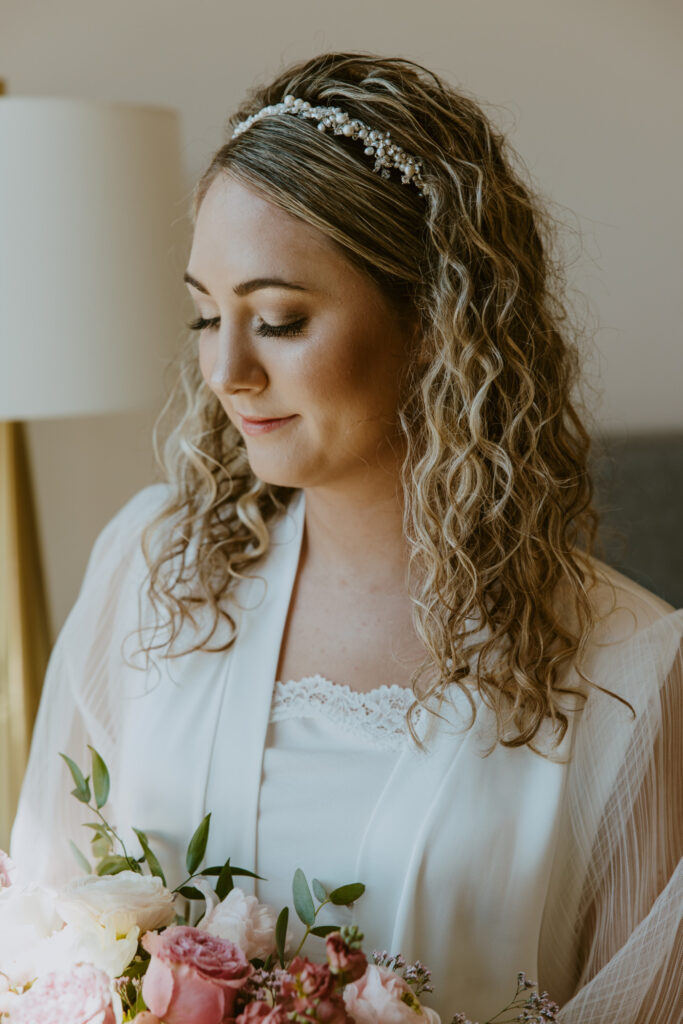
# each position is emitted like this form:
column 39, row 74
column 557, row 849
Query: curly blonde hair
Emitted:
column 498, row 510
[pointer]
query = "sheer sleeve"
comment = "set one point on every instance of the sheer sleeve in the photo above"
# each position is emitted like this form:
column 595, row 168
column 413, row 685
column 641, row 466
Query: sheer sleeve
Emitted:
column 78, row 702
column 611, row 939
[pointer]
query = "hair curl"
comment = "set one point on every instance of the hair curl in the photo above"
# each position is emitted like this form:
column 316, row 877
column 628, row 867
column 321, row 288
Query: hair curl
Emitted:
column 498, row 510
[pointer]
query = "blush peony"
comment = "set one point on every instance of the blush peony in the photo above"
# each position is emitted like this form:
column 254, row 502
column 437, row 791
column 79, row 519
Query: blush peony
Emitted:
column 82, row 995
column 244, row 921
column 192, row 975
column 381, row 996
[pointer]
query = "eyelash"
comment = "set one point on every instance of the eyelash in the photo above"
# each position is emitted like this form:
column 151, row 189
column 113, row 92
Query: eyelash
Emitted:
column 264, row 329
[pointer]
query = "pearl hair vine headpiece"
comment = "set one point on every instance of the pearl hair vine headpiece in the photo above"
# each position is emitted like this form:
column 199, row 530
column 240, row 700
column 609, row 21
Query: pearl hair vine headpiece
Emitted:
column 387, row 154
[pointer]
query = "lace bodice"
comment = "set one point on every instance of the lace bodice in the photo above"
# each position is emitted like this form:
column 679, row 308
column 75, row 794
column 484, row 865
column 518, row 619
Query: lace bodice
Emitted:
column 378, row 715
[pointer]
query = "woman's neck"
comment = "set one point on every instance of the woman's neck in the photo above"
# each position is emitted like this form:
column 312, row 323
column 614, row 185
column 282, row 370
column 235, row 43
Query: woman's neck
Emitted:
column 355, row 534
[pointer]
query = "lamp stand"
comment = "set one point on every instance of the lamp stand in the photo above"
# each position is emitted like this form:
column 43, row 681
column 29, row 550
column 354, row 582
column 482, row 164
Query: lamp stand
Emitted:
column 24, row 625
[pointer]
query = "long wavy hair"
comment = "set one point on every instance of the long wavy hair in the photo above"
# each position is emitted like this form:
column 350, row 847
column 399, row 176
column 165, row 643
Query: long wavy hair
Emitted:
column 498, row 512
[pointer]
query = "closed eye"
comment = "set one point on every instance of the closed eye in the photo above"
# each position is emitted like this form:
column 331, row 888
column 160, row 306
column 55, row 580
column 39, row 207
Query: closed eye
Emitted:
column 264, row 329
column 200, row 323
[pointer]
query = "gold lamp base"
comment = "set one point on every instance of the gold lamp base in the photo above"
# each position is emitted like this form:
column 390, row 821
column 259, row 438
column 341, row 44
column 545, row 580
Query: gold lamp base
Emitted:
column 24, row 624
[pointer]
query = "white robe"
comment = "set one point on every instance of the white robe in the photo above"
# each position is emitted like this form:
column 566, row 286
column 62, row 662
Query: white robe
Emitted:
column 478, row 866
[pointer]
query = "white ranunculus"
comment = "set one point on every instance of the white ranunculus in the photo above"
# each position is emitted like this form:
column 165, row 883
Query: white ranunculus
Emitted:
column 120, row 902
column 244, row 921
column 35, row 940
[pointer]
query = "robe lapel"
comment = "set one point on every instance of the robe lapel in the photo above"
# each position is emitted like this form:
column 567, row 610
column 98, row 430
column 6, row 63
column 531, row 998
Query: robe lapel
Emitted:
column 236, row 762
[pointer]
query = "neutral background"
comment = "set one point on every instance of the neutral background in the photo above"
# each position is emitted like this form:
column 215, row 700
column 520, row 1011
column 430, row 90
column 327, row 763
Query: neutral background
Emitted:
column 590, row 93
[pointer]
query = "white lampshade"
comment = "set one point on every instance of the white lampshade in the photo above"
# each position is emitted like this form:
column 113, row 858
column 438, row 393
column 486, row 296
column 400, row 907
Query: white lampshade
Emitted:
column 91, row 202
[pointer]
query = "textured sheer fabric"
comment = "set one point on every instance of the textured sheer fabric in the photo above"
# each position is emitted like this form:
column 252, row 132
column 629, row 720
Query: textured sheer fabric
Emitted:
column 612, row 935
column 610, row 931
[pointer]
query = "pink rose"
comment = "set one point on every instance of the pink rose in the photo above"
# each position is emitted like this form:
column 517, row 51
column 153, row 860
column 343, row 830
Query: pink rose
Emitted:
column 146, row 1018
column 349, row 964
column 382, row 997
column 263, row 1013
column 82, row 995
column 192, row 975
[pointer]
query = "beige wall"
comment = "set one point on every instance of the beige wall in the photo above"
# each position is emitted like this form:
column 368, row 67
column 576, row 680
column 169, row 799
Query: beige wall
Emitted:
column 590, row 90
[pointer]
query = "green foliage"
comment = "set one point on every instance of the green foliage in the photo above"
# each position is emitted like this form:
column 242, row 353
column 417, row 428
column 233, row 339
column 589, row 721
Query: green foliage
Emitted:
column 225, row 881
column 190, row 892
column 82, row 790
column 197, row 848
column 303, row 901
column 347, row 894
column 152, row 862
column 81, row 858
column 319, row 890
column 114, row 864
column 100, row 778
column 281, row 934
column 324, row 929
column 216, row 870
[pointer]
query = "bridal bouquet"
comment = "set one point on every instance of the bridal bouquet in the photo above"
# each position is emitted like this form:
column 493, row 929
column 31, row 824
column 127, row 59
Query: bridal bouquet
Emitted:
column 116, row 946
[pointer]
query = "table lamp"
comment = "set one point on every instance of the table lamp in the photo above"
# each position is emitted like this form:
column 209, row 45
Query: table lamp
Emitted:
column 91, row 196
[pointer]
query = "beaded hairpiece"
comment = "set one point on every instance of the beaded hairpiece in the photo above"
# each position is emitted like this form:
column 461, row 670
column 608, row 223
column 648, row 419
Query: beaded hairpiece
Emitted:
column 387, row 154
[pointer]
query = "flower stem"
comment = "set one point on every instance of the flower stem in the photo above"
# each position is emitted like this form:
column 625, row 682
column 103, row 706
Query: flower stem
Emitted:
column 308, row 928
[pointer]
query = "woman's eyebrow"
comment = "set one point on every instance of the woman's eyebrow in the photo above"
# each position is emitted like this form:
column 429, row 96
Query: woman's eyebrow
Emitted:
column 248, row 286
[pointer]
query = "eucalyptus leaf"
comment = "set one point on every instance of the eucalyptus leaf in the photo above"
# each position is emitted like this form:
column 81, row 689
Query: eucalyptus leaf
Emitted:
column 319, row 890
column 346, row 894
column 82, row 790
column 154, row 865
column 197, row 848
column 325, row 929
column 81, row 858
column 281, row 934
column 303, row 901
column 191, row 893
column 225, row 882
column 100, row 778
column 113, row 865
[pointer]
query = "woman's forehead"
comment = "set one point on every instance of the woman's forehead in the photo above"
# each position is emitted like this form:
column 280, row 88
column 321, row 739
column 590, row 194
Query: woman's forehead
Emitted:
column 240, row 235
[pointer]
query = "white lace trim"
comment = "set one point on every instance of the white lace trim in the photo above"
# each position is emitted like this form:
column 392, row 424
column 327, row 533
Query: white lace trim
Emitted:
column 378, row 715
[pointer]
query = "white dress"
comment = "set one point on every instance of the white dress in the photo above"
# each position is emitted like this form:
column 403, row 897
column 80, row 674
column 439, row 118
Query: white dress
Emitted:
column 566, row 867
column 324, row 742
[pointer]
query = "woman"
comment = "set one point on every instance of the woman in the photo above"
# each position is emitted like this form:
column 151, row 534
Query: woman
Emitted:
column 374, row 641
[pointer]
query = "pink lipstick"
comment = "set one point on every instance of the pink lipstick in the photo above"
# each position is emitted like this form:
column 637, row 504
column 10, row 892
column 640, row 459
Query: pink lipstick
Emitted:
column 255, row 427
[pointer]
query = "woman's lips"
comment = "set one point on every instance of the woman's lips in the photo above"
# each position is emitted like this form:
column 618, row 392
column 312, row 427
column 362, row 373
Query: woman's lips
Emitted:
column 254, row 427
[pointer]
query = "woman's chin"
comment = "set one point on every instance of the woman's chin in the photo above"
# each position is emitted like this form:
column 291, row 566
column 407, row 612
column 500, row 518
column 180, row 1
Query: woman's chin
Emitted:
column 278, row 474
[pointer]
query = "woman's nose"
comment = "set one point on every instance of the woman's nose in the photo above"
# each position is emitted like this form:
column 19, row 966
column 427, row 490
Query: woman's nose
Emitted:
column 235, row 363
